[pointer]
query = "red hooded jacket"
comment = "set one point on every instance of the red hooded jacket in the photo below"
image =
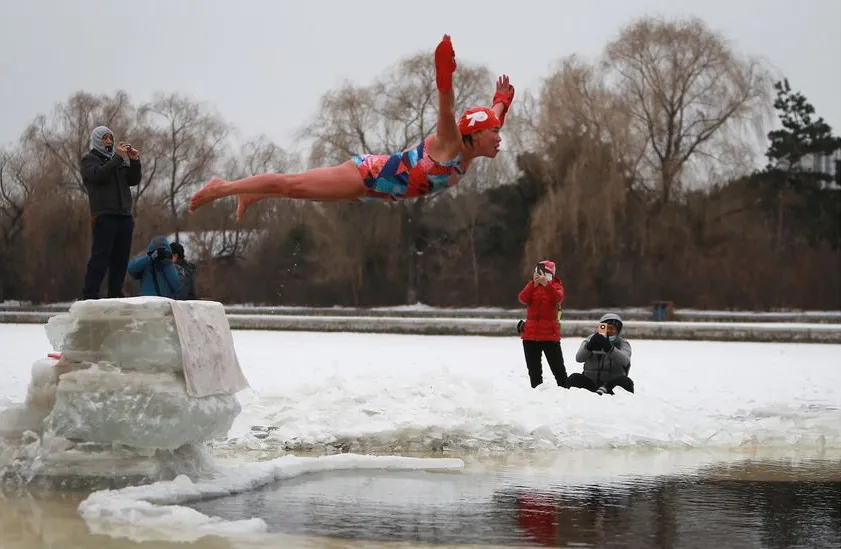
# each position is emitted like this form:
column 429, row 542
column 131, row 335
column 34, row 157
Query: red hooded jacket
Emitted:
column 542, row 304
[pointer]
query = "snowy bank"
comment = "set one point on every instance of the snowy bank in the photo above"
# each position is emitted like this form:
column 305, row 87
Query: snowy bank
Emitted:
column 386, row 322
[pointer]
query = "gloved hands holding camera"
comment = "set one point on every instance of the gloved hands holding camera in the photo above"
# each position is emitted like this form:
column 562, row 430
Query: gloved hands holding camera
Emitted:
column 599, row 343
column 159, row 254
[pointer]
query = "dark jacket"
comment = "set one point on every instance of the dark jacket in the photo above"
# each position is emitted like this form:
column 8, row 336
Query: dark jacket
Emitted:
column 157, row 277
column 108, row 183
column 187, row 276
column 601, row 366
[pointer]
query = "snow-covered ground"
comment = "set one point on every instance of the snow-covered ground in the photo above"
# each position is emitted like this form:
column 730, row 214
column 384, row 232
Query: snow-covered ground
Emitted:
column 468, row 399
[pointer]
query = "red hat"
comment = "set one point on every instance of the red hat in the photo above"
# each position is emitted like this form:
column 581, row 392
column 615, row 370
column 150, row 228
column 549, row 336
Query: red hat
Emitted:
column 549, row 266
column 478, row 119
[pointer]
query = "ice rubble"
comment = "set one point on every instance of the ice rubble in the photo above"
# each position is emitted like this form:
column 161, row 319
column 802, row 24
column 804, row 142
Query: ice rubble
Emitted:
column 126, row 401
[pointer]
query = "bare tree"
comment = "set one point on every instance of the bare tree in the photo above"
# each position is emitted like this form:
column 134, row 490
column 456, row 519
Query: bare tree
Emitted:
column 65, row 136
column 16, row 183
column 461, row 212
column 580, row 138
column 262, row 155
column 688, row 95
column 256, row 156
column 66, row 133
column 666, row 96
column 152, row 148
column 52, row 226
column 15, row 187
column 350, row 257
column 191, row 141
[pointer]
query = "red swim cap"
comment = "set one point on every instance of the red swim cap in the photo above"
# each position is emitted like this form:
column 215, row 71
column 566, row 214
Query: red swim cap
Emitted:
column 478, row 119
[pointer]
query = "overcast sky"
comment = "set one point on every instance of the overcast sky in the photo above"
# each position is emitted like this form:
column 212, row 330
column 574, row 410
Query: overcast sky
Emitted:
column 264, row 64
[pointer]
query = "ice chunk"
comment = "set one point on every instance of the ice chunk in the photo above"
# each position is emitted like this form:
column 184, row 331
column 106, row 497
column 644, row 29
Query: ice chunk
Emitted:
column 57, row 328
column 141, row 410
column 16, row 420
column 57, row 462
column 132, row 333
column 158, row 511
column 140, row 381
column 153, row 335
column 40, row 395
column 40, row 399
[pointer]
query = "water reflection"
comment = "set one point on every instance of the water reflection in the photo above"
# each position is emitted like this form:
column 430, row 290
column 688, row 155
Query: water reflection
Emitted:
column 50, row 520
column 778, row 505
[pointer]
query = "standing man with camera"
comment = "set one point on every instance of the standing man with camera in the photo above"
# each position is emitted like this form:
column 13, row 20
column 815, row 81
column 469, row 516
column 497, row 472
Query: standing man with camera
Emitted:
column 108, row 174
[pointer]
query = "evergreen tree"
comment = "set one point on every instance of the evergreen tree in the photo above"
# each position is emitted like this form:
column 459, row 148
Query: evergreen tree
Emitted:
column 801, row 134
column 798, row 189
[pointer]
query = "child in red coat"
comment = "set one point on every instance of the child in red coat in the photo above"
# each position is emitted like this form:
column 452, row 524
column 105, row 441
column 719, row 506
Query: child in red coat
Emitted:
column 541, row 334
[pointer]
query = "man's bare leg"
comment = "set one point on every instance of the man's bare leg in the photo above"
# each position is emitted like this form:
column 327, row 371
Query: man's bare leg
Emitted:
column 341, row 182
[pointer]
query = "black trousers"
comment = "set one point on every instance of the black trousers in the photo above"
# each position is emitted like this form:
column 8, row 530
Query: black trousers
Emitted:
column 534, row 351
column 110, row 250
column 583, row 382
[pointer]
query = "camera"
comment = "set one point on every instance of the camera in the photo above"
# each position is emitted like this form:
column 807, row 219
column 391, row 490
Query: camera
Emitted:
column 160, row 254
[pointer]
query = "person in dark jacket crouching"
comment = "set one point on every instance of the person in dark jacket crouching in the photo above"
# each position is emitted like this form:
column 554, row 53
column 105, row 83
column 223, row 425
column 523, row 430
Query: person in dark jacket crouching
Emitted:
column 108, row 172
column 607, row 359
column 186, row 272
column 541, row 333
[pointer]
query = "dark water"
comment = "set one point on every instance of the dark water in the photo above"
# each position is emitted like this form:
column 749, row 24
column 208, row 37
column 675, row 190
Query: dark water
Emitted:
column 749, row 504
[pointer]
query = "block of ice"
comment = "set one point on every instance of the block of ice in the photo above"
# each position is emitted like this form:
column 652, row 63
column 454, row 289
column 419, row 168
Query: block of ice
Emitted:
column 141, row 384
column 132, row 333
column 57, row 462
column 141, row 410
column 153, row 335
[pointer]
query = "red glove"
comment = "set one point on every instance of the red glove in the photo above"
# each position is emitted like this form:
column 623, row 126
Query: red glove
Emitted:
column 504, row 97
column 445, row 64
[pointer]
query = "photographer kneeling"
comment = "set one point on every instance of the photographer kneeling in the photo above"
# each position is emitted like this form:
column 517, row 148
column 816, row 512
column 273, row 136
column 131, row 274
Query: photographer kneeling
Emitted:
column 155, row 270
column 606, row 357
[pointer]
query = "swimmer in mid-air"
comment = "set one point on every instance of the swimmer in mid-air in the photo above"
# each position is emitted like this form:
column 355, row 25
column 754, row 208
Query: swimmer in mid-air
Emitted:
column 431, row 166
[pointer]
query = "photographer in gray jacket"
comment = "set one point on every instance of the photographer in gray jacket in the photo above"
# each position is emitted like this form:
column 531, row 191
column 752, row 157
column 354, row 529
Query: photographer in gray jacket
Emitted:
column 607, row 359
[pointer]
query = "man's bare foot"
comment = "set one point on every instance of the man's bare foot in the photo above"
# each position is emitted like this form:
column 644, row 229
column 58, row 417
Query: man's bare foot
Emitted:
column 243, row 202
column 207, row 194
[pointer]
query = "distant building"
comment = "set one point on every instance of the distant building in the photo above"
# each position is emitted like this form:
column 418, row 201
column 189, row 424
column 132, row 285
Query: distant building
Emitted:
column 829, row 164
column 822, row 163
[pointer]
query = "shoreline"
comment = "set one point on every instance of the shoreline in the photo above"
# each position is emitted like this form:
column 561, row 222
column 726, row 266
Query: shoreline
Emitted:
column 640, row 323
